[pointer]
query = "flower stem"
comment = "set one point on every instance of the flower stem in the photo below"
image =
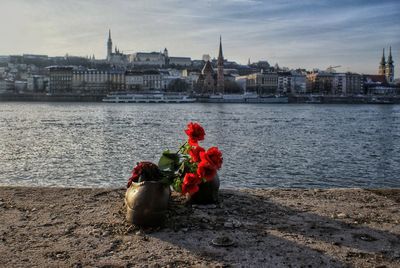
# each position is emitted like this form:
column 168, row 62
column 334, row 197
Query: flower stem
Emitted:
column 180, row 148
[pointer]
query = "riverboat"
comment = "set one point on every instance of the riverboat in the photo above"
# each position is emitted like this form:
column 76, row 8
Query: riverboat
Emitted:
column 377, row 100
column 147, row 98
column 243, row 98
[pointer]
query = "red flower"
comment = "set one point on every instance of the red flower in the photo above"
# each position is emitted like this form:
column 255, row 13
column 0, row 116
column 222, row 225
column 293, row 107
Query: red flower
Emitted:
column 206, row 170
column 135, row 174
column 195, row 132
column 190, row 183
column 195, row 153
column 146, row 170
column 212, row 156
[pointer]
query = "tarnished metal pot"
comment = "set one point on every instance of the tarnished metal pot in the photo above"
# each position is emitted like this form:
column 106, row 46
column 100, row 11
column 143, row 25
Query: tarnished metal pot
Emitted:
column 207, row 193
column 146, row 203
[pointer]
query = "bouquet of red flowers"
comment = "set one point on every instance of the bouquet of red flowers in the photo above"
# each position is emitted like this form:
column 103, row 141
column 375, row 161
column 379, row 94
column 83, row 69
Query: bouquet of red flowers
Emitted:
column 189, row 169
column 191, row 165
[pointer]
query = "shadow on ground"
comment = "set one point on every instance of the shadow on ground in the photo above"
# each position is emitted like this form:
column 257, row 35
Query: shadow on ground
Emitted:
column 269, row 228
column 267, row 232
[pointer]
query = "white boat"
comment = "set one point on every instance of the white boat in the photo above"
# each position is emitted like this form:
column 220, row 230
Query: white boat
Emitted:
column 377, row 100
column 147, row 98
column 269, row 99
column 247, row 97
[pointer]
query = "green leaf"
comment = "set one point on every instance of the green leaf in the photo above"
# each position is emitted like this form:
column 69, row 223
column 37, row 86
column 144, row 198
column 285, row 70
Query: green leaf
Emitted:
column 177, row 185
column 169, row 161
column 187, row 149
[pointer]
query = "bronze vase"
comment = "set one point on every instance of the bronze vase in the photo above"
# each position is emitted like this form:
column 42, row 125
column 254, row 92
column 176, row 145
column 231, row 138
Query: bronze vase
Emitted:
column 207, row 193
column 147, row 203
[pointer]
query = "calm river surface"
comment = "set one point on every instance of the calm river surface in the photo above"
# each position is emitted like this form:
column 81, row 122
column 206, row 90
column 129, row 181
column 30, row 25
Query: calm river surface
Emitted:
column 97, row 145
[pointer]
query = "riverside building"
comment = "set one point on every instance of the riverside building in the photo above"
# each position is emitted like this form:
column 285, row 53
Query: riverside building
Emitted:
column 149, row 59
column 346, row 84
column 96, row 82
column 320, row 82
column 298, row 82
column 291, row 82
column 60, row 79
column 90, row 82
column 284, row 82
column 36, row 83
column 262, row 83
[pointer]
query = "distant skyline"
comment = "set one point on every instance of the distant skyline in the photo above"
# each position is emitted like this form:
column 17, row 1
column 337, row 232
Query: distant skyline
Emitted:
column 307, row 34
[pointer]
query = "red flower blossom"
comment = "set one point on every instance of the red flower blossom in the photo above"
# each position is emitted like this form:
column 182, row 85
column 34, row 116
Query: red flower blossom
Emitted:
column 206, row 170
column 195, row 153
column 147, row 170
column 190, row 183
column 212, row 156
column 195, row 133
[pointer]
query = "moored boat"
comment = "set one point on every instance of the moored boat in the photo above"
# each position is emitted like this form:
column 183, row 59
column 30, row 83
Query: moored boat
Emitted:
column 247, row 97
column 147, row 98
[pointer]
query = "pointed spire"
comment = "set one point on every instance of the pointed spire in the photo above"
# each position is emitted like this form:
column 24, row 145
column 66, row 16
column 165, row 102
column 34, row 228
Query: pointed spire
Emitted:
column 220, row 71
column 383, row 61
column 220, row 55
column 390, row 59
column 109, row 34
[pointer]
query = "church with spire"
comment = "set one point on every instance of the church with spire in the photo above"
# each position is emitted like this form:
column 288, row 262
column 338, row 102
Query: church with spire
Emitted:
column 210, row 82
column 109, row 46
column 386, row 68
column 116, row 57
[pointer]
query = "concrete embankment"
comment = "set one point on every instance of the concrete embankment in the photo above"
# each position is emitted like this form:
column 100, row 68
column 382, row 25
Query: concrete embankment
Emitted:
column 42, row 97
column 63, row 227
column 368, row 99
column 51, row 98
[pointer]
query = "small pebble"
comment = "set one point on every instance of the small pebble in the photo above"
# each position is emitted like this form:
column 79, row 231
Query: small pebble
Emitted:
column 139, row 232
column 228, row 225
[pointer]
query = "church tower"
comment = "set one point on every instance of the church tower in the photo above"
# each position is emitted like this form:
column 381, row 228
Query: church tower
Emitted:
column 390, row 67
column 109, row 46
column 382, row 65
column 220, row 69
column 166, row 57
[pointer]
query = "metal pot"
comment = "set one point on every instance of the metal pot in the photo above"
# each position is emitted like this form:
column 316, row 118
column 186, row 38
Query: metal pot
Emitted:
column 207, row 193
column 146, row 203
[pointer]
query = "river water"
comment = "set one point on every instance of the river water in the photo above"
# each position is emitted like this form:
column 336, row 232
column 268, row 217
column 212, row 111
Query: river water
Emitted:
column 97, row 144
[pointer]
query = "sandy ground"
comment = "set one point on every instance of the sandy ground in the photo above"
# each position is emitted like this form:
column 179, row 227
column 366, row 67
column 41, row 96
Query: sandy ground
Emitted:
column 58, row 227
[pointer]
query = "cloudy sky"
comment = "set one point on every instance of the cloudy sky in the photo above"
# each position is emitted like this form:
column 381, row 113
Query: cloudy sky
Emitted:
column 302, row 33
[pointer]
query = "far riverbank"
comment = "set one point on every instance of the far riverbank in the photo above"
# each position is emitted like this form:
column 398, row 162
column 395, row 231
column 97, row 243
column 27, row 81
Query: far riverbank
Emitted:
column 72, row 227
column 314, row 99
